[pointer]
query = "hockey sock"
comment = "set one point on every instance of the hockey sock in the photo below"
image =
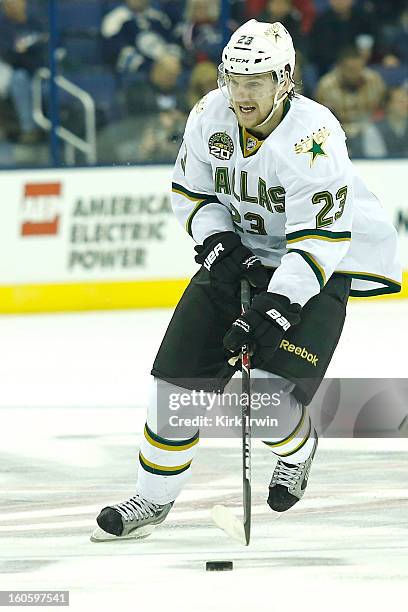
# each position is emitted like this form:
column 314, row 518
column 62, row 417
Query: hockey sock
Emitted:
column 297, row 445
column 164, row 464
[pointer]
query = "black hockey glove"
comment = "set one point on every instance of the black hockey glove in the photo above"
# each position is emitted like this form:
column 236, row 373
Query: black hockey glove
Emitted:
column 264, row 324
column 228, row 260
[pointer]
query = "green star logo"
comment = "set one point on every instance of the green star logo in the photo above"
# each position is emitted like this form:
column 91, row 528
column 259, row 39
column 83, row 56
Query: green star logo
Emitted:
column 316, row 150
column 313, row 144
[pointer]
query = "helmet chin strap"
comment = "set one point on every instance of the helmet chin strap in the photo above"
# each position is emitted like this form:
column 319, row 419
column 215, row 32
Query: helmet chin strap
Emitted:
column 275, row 106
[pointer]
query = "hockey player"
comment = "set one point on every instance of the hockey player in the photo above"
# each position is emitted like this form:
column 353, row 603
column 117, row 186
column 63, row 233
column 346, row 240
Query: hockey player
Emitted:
column 264, row 186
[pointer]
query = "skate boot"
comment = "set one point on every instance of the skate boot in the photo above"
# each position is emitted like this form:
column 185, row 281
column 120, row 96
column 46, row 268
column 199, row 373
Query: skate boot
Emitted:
column 289, row 482
column 134, row 518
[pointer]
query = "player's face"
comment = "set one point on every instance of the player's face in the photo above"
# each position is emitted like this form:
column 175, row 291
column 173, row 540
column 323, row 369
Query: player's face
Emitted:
column 251, row 96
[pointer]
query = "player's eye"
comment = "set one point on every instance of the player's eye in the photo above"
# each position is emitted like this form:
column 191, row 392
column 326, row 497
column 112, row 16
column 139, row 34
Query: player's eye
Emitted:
column 247, row 84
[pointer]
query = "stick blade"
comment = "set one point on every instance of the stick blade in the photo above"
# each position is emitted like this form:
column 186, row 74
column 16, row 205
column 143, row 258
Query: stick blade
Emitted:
column 403, row 427
column 228, row 522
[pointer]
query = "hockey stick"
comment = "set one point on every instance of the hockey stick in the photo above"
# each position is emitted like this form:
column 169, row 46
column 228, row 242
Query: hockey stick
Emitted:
column 246, row 419
column 222, row 516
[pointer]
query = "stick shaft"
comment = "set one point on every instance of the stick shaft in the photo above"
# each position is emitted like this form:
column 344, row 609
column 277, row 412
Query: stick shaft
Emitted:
column 246, row 418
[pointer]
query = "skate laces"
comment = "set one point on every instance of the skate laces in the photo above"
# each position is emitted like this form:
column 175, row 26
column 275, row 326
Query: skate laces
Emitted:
column 287, row 475
column 136, row 508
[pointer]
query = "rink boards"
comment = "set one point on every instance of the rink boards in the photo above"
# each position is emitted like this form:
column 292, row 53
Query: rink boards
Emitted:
column 106, row 238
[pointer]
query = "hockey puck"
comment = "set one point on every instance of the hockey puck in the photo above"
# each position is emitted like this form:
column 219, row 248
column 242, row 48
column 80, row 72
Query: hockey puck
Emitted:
column 218, row 566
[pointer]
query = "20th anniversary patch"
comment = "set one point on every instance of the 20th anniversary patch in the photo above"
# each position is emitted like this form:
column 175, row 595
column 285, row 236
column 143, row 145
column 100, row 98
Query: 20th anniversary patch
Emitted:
column 221, row 146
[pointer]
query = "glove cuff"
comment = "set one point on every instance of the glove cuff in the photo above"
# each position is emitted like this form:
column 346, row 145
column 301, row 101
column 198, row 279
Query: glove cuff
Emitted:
column 216, row 247
column 229, row 240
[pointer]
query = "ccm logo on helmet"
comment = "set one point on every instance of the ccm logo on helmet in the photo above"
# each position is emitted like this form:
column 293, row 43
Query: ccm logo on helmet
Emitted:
column 280, row 320
column 239, row 59
column 212, row 256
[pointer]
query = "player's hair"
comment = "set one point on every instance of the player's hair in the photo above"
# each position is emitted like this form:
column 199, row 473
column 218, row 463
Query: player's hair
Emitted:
column 292, row 93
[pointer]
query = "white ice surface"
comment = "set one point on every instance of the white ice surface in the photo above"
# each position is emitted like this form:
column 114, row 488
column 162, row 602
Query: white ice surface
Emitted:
column 73, row 389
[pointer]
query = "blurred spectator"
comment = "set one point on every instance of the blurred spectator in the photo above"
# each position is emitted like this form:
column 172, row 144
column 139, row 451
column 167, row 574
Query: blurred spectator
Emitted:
column 134, row 35
column 201, row 35
column 389, row 137
column 301, row 86
column 203, row 79
column 237, row 13
column 174, row 9
column 254, row 8
column 393, row 44
column 306, row 9
column 160, row 92
column 151, row 130
column 162, row 137
column 22, row 48
column 283, row 11
column 340, row 26
column 384, row 12
column 400, row 42
column 352, row 92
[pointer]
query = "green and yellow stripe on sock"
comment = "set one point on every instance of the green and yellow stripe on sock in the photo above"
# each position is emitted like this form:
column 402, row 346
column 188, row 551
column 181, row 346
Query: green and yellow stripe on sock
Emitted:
column 291, row 436
column 169, row 445
column 298, row 446
column 162, row 470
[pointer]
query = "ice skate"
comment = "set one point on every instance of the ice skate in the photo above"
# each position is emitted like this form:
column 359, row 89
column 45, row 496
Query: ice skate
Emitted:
column 131, row 519
column 289, row 482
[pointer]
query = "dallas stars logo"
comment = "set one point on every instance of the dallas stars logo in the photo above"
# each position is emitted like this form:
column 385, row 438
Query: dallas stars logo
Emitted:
column 314, row 145
column 274, row 30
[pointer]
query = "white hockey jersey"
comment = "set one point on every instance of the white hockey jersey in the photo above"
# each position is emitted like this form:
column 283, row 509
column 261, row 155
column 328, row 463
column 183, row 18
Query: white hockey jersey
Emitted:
column 294, row 198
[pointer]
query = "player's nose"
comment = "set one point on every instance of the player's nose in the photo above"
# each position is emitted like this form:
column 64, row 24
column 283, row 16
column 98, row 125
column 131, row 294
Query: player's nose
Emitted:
column 240, row 92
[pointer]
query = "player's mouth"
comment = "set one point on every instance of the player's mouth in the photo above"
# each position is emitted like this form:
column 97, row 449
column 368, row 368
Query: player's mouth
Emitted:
column 247, row 109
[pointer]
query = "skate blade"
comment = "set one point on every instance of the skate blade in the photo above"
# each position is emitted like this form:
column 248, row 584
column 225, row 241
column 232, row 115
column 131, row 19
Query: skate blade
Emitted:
column 228, row 522
column 99, row 535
